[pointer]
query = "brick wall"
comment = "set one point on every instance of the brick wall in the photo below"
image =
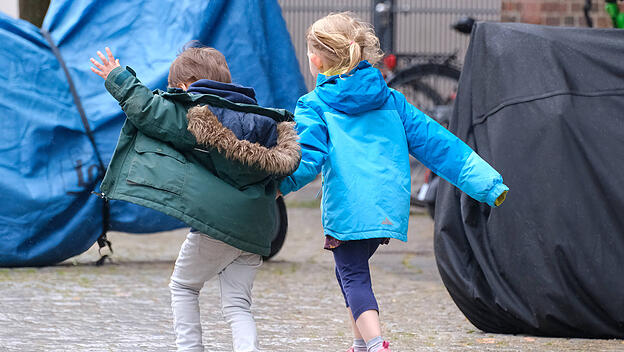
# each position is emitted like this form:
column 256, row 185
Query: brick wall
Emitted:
column 555, row 12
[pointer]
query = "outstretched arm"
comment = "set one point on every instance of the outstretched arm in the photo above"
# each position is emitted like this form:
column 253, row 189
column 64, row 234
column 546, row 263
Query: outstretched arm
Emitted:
column 152, row 114
column 448, row 156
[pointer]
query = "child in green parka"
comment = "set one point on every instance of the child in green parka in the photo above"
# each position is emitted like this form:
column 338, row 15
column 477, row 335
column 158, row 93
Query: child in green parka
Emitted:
column 207, row 154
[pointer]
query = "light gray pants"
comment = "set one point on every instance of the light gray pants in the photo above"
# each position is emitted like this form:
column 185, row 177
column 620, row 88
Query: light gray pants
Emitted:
column 202, row 258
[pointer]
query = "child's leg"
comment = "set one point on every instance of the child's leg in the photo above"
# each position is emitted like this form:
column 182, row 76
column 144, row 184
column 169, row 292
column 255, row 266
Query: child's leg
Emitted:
column 368, row 323
column 356, row 332
column 359, row 344
column 236, row 284
column 354, row 328
column 200, row 259
column 353, row 273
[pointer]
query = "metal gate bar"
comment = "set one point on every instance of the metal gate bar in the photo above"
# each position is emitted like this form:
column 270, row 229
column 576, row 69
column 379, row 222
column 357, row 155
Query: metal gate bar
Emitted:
column 420, row 26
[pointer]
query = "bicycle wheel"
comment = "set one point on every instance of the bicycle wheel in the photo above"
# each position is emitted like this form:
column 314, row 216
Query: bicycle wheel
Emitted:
column 427, row 85
column 430, row 87
column 282, row 227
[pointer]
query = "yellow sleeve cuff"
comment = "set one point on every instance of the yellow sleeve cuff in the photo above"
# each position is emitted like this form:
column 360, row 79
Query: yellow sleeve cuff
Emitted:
column 500, row 198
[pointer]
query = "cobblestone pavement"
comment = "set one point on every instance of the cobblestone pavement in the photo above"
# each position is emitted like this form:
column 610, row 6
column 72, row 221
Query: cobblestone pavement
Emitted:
column 124, row 306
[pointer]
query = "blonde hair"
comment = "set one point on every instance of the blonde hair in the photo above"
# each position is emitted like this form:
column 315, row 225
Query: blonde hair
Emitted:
column 343, row 41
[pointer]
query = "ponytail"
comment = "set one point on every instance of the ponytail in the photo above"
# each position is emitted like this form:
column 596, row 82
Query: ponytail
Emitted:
column 355, row 55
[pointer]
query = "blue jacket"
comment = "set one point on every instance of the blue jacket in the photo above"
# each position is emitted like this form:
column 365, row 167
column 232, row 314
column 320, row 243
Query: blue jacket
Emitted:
column 358, row 133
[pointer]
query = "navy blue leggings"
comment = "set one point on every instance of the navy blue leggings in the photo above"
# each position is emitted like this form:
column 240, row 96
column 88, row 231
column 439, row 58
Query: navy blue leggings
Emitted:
column 353, row 274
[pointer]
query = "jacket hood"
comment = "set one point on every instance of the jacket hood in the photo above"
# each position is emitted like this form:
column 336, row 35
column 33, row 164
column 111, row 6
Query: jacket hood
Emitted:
column 230, row 91
column 282, row 159
column 251, row 127
column 363, row 89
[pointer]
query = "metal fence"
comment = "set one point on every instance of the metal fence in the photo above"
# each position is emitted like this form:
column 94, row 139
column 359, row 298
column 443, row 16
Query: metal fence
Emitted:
column 420, row 26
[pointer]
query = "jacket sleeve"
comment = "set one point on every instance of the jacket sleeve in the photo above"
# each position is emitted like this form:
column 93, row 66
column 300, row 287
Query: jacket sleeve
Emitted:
column 313, row 138
column 152, row 114
column 448, row 156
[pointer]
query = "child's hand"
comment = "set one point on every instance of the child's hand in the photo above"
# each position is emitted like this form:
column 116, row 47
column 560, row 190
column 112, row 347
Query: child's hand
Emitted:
column 107, row 64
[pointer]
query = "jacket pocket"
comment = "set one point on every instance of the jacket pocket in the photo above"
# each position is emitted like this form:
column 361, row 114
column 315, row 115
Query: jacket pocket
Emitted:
column 157, row 165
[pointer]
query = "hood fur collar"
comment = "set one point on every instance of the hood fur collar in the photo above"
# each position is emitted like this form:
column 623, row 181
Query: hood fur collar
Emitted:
column 282, row 159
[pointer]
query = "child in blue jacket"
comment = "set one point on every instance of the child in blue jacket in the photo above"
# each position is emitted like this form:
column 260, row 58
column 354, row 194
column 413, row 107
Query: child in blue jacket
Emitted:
column 359, row 134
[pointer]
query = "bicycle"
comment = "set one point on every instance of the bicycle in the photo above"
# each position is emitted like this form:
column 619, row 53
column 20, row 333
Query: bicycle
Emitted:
column 427, row 192
column 427, row 81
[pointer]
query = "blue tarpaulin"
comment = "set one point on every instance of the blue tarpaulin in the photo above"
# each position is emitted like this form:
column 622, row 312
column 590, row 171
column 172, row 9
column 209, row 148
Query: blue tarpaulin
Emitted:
column 48, row 166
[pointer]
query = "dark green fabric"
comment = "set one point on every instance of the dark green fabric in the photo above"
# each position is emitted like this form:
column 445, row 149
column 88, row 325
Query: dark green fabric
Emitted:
column 156, row 165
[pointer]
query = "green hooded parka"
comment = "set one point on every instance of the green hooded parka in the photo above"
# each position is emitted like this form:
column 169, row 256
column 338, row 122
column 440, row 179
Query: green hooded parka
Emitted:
column 174, row 156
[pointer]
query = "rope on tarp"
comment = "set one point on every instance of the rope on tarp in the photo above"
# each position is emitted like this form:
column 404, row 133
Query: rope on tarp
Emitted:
column 103, row 242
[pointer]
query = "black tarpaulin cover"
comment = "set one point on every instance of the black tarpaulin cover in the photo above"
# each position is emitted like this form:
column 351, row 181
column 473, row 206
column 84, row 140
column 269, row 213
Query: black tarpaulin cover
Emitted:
column 545, row 106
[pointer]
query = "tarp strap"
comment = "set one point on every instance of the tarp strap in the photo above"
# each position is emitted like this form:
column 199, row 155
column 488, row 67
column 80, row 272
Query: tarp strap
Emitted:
column 102, row 240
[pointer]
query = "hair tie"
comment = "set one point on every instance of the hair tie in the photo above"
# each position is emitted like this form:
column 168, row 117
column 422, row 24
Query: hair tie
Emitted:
column 352, row 42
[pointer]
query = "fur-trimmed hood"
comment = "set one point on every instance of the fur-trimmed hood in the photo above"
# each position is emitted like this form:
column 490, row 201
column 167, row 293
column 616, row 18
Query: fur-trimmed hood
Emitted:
column 282, row 159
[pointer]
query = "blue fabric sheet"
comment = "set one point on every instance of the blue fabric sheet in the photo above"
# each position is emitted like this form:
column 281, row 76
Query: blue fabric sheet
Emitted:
column 48, row 168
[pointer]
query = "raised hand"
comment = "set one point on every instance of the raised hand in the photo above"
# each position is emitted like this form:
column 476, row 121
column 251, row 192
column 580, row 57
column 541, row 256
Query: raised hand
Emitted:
column 107, row 65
